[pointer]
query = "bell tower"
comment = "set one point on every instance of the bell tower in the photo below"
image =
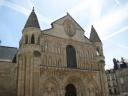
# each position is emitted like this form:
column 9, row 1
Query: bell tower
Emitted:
column 28, row 58
column 94, row 38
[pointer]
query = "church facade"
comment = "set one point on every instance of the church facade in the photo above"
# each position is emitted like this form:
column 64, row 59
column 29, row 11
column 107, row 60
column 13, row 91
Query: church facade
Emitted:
column 60, row 61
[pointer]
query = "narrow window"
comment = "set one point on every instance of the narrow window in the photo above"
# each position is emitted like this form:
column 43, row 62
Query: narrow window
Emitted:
column 71, row 57
column 26, row 39
column 97, row 52
column 32, row 39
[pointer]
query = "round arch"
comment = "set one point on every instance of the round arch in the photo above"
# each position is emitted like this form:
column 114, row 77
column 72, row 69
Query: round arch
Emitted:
column 70, row 90
column 49, row 87
column 93, row 89
column 77, row 82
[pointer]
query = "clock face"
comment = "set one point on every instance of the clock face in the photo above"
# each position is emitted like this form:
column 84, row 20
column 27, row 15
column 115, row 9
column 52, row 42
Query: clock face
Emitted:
column 69, row 28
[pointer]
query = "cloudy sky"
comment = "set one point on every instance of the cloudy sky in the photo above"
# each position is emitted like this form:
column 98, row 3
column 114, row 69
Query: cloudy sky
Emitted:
column 109, row 17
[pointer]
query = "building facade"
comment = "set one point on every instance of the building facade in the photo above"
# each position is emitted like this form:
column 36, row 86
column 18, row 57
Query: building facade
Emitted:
column 113, row 88
column 117, row 78
column 60, row 61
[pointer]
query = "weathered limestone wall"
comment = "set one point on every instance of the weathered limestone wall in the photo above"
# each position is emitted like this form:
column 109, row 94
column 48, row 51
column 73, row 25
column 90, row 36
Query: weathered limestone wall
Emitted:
column 57, row 74
column 53, row 81
column 8, row 74
column 54, row 53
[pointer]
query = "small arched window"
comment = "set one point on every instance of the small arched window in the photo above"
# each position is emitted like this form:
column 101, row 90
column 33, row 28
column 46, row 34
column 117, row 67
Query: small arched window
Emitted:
column 110, row 91
column 97, row 52
column 37, row 53
column 32, row 39
column 26, row 39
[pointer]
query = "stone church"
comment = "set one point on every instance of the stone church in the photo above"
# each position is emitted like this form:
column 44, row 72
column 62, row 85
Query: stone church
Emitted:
column 60, row 61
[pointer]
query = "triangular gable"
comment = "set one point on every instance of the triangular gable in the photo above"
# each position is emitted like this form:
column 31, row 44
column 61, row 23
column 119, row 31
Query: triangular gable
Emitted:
column 59, row 29
column 68, row 16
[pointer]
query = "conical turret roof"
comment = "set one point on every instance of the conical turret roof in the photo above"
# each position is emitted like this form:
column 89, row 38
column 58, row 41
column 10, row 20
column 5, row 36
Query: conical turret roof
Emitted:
column 94, row 36
column 32, row 20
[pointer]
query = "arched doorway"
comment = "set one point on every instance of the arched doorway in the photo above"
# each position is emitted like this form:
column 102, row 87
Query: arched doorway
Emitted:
column 71, row 57
column 70, row 90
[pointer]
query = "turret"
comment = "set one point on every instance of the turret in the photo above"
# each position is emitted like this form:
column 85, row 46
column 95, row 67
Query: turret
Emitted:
column 29, row 58
column 94, row 38
column 31, row 31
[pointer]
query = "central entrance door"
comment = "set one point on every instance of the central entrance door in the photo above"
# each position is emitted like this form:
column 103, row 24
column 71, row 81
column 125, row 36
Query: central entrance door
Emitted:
column 70, row 90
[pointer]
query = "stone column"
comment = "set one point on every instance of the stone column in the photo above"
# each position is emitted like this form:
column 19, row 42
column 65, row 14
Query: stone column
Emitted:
column 36, row 75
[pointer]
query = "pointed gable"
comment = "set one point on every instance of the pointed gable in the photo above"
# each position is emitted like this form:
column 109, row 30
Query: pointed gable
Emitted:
column 32, row 21
column 67, row 28
column 68, row 16
column 94, row 36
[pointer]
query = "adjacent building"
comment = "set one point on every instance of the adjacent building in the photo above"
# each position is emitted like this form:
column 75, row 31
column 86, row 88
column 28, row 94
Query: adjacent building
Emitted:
column 112, row 83
column 8, row 71
column 60, row 61
column 118, row 78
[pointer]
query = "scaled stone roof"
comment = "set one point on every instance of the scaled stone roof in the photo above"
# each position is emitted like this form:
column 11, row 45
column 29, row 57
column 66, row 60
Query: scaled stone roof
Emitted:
column 7, row 53
column 32, row 21
column 94, row 36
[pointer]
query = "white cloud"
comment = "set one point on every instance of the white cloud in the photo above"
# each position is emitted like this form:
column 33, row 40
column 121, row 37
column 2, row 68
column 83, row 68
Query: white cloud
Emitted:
column 123, row 46
column 118, row 45
column 30, row 3
column 25, row 11
column 92, row 7
column 2, row 2
column 78, row 7
column 124, row 29
column 117, row 2
column 105, row 25
column 17, row 8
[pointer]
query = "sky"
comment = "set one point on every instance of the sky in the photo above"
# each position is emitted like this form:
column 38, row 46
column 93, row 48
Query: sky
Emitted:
column 109, row 17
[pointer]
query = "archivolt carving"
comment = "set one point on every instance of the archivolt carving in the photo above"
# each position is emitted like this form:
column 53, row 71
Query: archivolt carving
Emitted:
column 49, row 87
column 93, row 89
column 77, row 81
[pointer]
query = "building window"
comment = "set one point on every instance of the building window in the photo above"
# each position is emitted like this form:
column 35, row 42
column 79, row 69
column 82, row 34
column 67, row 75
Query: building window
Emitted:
column 37, row 53
column 32, row 39
column 70, row 90
column 26, row 39
column 115, row 91
column 110, row 91
column 71, row 57
column 97, row 52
